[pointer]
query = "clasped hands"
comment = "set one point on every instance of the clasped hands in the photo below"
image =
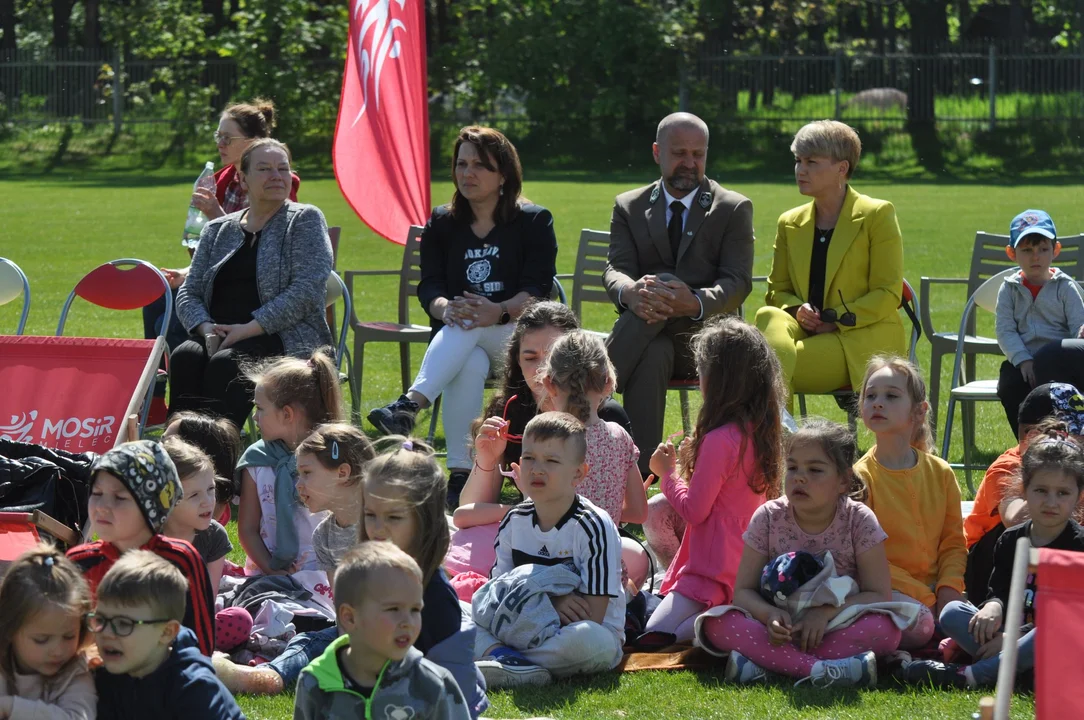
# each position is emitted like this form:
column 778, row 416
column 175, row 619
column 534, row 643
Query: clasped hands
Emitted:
column 806, row 634
column 655, row 300
column 469, row 311
column 809, row 318
column 219, row 337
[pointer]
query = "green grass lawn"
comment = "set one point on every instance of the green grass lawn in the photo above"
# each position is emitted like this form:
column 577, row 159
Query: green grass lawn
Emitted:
column 59, row 227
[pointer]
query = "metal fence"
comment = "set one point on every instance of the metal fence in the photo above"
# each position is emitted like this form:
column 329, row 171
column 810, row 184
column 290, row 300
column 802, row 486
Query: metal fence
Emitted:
column 983, row 83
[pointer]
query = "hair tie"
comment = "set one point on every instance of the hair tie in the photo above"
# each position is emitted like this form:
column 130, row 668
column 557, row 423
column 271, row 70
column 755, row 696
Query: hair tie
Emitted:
column 334, row 450
column 48, row 561
column 408, row 445
column 310, row 364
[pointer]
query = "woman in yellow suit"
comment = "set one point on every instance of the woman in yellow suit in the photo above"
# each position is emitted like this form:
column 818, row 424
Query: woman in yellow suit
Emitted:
column 837, row 272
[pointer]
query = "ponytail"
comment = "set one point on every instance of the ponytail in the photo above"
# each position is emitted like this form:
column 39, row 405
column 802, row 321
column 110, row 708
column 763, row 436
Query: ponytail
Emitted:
column 312, row 385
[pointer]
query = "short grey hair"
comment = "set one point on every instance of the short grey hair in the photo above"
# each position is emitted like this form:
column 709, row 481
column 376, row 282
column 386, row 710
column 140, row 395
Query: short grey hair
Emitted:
column 829, row 138
column 680, row 119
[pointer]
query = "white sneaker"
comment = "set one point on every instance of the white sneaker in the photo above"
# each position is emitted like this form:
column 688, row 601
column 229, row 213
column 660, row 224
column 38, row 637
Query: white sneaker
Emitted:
column 512, row 672
column 857, row 671
column 742, row 670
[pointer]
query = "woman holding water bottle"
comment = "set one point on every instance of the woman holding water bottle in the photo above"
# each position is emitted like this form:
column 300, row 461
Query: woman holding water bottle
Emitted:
column 240, row 125
column 256, row 289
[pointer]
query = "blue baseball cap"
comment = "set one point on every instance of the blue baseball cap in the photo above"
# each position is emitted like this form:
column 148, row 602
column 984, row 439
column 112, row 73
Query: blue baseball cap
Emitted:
column 1031, row 221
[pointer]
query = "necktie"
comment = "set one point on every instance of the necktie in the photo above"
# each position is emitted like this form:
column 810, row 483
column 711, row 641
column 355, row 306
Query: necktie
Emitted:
column 677, row 213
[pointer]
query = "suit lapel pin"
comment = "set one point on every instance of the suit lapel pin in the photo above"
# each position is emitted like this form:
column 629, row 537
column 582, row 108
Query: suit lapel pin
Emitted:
column 704, row 199
column 654, row 194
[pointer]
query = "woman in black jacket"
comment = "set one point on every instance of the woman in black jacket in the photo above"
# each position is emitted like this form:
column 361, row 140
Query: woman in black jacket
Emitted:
column 484, row 256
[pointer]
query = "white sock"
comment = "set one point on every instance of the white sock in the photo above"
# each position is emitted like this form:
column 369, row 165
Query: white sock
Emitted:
column 970, row 677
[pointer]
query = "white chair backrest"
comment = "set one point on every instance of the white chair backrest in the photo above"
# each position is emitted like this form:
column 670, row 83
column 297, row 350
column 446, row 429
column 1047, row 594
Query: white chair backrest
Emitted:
column 11, row 281
column 986, row 294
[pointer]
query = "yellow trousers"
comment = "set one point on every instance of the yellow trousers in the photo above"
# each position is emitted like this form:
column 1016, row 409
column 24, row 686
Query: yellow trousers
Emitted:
column 811, row 363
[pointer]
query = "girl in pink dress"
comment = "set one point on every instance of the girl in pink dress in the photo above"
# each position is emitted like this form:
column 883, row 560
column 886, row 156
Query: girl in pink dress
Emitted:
column 723, row 473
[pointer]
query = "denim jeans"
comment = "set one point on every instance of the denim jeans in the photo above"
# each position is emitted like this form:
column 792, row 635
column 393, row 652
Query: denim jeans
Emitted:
column 300, row 651
column 954, row 620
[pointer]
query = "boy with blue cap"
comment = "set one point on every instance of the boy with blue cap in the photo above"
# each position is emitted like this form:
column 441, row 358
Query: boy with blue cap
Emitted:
column 1040, row 312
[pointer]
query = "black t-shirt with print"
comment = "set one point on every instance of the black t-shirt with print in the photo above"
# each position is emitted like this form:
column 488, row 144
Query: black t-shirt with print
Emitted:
column 517, row 256
column 1071, row 538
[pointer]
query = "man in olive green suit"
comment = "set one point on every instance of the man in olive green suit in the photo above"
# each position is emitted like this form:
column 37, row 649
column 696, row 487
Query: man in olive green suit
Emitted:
column 681, row 251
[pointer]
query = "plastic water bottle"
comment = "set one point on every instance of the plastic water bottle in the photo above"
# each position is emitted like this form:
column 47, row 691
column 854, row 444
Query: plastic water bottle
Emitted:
column 196, row 219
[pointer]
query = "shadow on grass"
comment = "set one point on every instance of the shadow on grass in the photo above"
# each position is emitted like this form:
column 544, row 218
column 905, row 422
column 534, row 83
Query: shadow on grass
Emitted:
column 544, row 700
column 804, row 698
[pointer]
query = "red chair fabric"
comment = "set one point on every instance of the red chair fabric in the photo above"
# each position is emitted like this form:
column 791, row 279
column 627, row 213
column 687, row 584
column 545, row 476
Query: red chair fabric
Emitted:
column 17, row 535
column 120, row 288
column 72, row 393
column 1059, row 643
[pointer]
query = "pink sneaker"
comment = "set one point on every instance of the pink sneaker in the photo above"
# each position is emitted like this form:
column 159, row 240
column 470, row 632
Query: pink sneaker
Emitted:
column 950, row 651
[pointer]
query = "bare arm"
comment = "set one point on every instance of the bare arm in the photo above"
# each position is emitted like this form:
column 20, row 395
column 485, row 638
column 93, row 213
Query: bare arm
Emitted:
column 1013, row 511
column 472, row 514
column 214, row 571
column 747, row 585
column 634, row 509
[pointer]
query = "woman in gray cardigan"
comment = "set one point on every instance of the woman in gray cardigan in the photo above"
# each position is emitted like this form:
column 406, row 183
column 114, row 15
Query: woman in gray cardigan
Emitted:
column 256, row 289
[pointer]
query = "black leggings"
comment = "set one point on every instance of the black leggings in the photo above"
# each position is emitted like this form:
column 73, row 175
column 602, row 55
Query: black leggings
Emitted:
column 216, row 385
column 1058, row 361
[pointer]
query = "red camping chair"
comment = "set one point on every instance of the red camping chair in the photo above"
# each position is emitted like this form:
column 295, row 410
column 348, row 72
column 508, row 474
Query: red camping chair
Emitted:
column 1059, row 638
column 111, row 286
column 74, row 393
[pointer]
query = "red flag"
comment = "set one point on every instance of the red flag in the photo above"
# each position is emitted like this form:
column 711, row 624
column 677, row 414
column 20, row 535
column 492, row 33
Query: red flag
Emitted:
column 381, row 151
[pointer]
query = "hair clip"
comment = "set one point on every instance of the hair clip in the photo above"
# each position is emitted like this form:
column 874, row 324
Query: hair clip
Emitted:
column 507, row 435
column 48, row 561
column 408, row 445
column 310, row 364
column 334, row 450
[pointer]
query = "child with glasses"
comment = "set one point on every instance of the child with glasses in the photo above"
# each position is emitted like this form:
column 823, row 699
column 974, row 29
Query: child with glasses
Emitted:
column 151, row 665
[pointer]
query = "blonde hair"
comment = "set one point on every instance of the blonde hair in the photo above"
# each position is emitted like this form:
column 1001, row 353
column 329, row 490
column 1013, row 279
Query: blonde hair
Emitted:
column 921, row 435
column 311, row 386
column 579, row 364
column 38, row 578
column 140, row 577
column 353, row 574
column 829, row 138
column 409, row 468
column 266, row 142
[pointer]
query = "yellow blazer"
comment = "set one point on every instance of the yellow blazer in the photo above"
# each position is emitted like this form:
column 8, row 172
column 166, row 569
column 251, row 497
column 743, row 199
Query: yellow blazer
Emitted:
column 865, row 263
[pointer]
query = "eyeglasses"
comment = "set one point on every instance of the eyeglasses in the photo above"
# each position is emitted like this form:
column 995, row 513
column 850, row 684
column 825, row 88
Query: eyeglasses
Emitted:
column 848, row 318
column 225, row 140
column 120, row 625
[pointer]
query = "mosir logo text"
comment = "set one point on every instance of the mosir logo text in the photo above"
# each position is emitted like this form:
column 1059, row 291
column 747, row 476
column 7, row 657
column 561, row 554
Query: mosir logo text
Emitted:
column 73, row 433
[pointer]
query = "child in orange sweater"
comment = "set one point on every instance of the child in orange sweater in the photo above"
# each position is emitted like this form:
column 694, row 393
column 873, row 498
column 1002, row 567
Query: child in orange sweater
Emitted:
column 913, row 494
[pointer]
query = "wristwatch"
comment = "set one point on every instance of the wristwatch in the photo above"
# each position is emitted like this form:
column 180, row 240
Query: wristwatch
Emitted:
column 505, row 317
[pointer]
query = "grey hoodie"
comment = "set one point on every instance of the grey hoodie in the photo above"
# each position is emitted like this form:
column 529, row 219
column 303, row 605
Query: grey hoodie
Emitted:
column 515, row 607
column 411, row 689
column 1024, row 325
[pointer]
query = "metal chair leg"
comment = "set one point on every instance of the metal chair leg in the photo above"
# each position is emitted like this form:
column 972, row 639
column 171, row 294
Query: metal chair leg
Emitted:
column 968, row 409
column 404, row 365
column 946, row 437
column 802, row 413
column 684, row 394
column 357, row 372
column 934, row 390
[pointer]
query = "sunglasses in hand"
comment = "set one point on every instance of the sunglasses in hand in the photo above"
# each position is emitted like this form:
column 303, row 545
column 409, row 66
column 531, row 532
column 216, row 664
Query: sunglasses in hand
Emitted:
column 848, row 318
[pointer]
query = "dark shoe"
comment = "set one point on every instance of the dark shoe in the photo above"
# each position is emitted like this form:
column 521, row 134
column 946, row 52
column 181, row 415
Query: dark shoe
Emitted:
column 457, row 479
column 396, row 418
column 932, row 672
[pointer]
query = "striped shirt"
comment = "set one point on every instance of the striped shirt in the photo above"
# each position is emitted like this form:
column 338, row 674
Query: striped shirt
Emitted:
column 585, row 540
column 95, row 559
